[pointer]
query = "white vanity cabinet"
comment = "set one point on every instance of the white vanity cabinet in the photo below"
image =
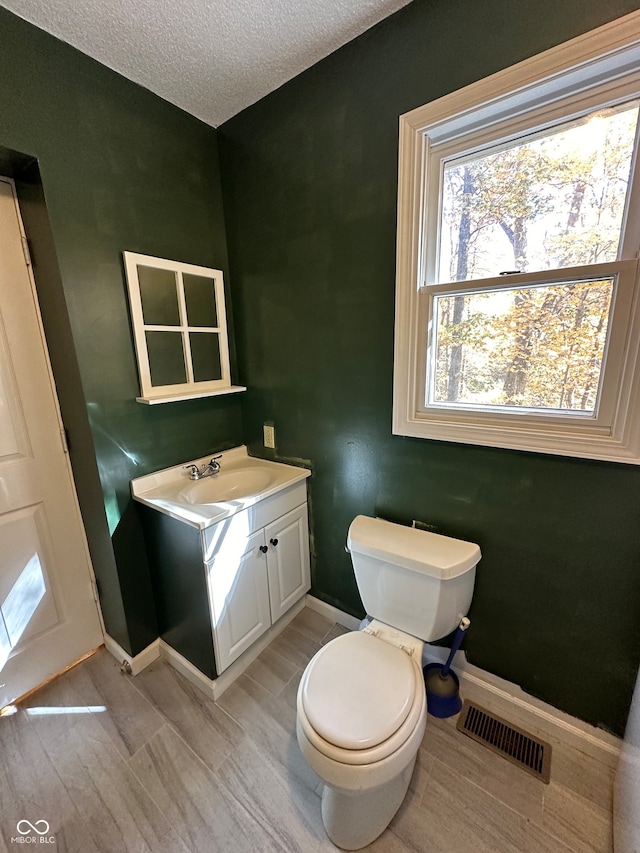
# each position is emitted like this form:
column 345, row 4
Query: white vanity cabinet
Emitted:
column 287, row 560
column 256, row 566
column 228, row 556
column 239, row 599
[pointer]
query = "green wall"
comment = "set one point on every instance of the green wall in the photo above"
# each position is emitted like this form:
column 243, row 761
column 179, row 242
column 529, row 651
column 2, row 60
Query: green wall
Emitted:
column 121, row 169
column 309, row 179
column 310, row 192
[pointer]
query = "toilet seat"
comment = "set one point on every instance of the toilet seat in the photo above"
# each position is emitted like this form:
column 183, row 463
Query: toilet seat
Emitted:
column 360, row 699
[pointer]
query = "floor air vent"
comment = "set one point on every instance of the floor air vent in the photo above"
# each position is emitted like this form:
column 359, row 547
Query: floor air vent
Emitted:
column 509, row 741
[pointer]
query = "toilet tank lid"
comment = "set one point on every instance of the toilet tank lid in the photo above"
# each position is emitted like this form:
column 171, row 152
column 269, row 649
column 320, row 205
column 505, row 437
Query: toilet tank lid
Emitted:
column 430, row 553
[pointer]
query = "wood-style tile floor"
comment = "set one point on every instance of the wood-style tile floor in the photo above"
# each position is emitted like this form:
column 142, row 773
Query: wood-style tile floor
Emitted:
column 115, row 763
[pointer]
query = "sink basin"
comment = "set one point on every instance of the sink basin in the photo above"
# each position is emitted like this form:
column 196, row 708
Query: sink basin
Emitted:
column 242, row 482
column 228, row 486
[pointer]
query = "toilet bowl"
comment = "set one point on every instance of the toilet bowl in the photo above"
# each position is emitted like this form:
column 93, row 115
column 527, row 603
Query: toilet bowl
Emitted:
column 361, row 717
column 361, row 704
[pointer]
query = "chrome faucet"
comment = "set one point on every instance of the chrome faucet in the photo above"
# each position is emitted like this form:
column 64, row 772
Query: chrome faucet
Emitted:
column 212, row 467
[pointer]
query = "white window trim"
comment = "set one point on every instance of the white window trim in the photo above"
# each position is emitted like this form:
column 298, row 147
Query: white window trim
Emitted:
column 150, row 394
column 599, row 58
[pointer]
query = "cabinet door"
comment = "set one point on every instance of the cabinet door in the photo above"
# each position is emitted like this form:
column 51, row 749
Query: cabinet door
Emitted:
column 239, row 596
column 288, row 560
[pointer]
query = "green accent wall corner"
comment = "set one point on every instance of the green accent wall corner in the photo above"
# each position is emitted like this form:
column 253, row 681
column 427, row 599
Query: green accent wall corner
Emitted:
column 120, row 169
column 308, row 177
column 310, row 182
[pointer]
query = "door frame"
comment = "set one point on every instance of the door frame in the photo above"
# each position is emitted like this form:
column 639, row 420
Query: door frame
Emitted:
column 78, row 519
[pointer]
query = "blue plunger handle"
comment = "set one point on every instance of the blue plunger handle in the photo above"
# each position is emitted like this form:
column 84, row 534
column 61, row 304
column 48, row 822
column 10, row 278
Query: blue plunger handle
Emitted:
column 457, row 642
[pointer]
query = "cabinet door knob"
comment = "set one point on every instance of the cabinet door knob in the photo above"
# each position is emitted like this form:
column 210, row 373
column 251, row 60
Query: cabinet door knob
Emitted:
column 274, row 542
column 264, row 549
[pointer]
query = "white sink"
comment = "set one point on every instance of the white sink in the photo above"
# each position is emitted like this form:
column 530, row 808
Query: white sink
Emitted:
column 228, row 486
column 242, row 482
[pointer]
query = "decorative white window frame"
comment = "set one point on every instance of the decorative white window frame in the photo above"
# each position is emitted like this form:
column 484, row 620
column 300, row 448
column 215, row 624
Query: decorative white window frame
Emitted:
column 602, row 61
column 153, row 394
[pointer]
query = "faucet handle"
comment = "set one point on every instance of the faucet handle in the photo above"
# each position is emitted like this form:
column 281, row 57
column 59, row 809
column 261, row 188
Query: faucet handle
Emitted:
column 193, row 471
column 214, row 464
column 213, row 458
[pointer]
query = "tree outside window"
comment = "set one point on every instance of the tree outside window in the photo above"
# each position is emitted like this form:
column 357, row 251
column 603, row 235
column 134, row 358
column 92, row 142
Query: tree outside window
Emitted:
column 550, row 201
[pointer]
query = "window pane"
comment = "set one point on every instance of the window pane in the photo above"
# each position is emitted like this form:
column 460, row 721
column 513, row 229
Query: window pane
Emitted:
column 205, row 356
column 166, row 358
column 200, row 296
column 159, row 296
column 532, row 347
column 549, row 201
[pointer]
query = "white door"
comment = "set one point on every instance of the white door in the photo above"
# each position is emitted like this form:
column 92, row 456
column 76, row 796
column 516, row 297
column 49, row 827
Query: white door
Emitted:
column 239, row 596
column 288, row 560
column 48, row 617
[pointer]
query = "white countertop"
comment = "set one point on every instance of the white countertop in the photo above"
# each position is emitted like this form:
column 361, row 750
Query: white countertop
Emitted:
column 172, row 492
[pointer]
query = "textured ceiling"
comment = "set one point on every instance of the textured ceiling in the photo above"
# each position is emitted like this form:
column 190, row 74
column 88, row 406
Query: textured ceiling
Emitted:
column 212, row 58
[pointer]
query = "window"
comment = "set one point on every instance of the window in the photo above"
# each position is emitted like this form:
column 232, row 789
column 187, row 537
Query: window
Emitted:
column 180, row 329
column 517, row 317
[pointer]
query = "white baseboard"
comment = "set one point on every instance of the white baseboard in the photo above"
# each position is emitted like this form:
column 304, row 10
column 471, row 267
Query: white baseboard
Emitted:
column 552, row 721
column 495, row 694
column 137, row 662
column 506, row 699
column 213, row 688
column 158, row 648
column 333, row 613
column 187, row 669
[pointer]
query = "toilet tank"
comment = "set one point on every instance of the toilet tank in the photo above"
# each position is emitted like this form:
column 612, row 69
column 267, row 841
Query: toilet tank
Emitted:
column 416, row 581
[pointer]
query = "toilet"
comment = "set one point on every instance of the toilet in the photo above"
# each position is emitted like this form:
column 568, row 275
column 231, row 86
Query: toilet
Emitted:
column 361, row 704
